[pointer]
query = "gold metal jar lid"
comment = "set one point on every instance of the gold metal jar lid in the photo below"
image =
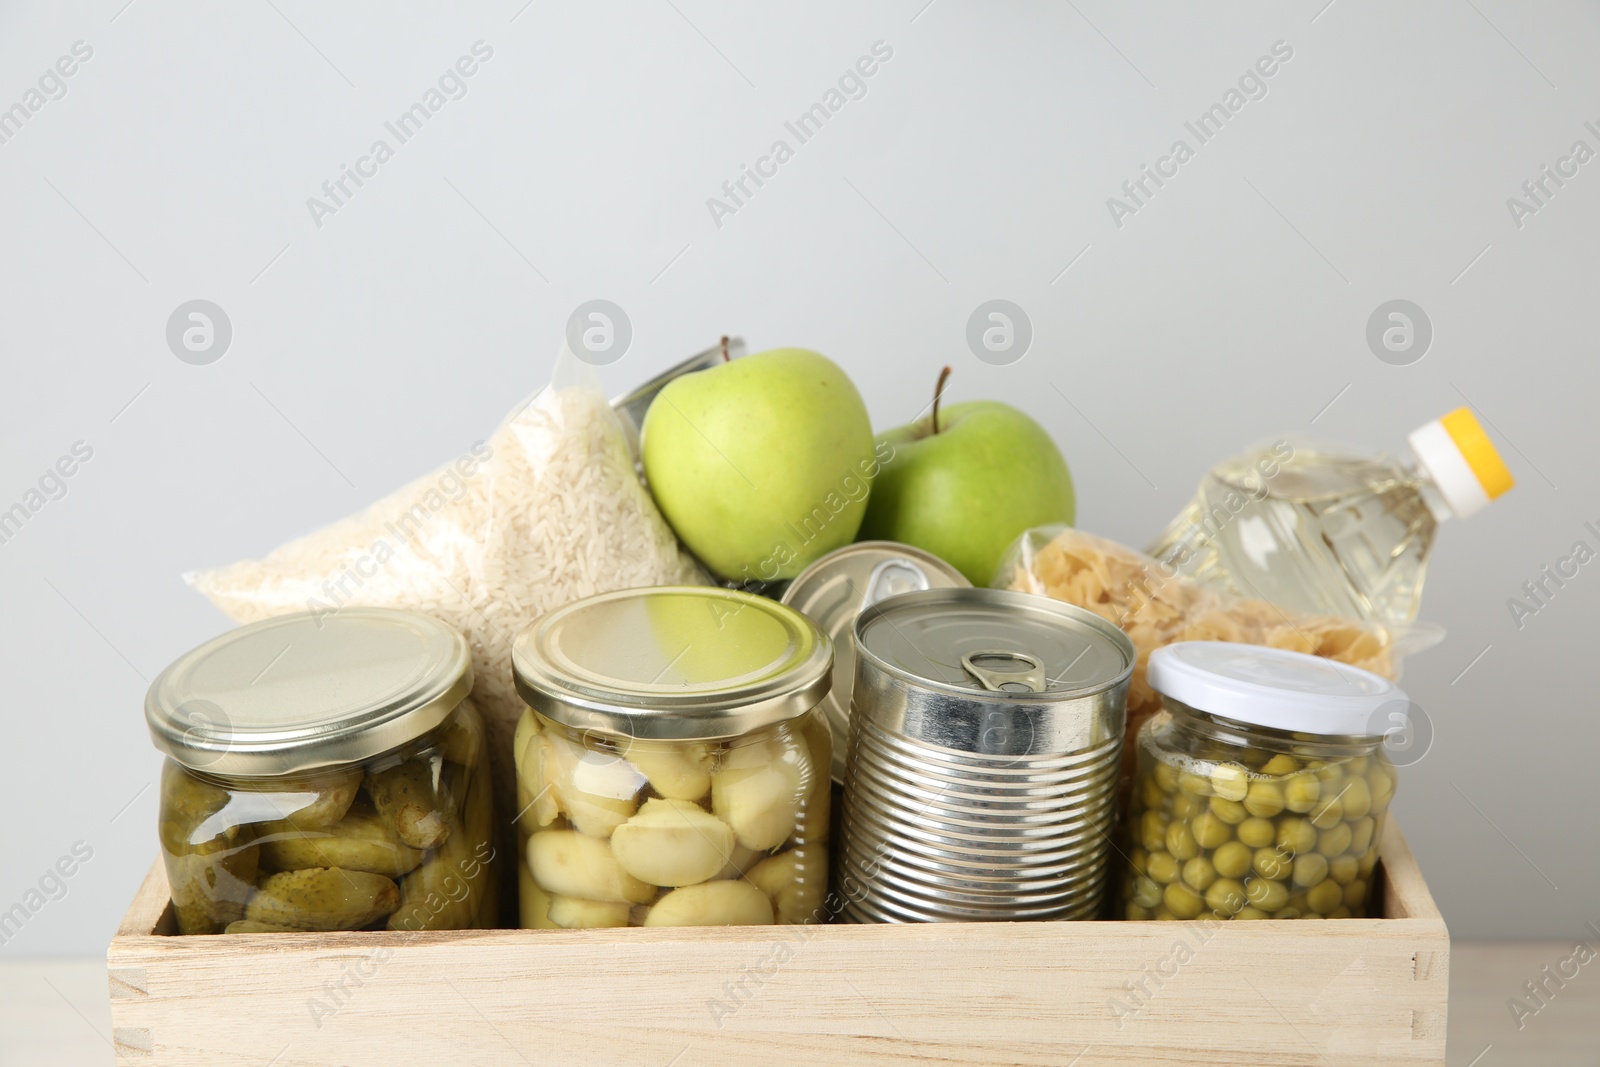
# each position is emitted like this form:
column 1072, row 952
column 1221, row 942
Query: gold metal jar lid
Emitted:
column 672, row 663
column 305, row 691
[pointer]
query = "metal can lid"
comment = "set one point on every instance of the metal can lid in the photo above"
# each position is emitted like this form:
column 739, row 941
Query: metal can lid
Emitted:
column 836, row 588
column 1014, row 646
column 672, row 663
column 309, row 690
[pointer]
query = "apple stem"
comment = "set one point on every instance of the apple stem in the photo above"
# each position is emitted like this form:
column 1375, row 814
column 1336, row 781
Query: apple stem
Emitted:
column 724, row 348
column 938, row 394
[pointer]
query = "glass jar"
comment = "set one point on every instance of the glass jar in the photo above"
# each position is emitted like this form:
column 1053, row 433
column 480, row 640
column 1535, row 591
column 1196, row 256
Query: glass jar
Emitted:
column 673, row 765
column 325, row 772
column 1261, row 787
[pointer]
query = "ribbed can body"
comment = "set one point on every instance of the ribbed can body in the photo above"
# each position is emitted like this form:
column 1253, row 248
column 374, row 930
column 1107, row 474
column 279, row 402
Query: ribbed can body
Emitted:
column 978, row 805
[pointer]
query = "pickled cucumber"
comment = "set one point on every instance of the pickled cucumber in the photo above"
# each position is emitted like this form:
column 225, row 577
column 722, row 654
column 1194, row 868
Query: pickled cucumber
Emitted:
column 758, row 790
column 574, row 864
column 460, row 738
column 445, row 893
column 678, row 770
column 323, row 898
column 211, row 863
column 728, row 903
column 361, row 841
column 673, row 843
column 412, row 799
column 314, row 802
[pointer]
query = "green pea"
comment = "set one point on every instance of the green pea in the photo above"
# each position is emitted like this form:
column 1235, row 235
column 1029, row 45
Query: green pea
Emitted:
column 1138, row 858
column 1325, row 896
column 1167, row 775
column 1229, row 811
column 1367, row 863
column 1187, row 806
column 1381, row 783
column 1357, row 798
column 1265, row 894
column 1330, row 775
column 1355, row 894
column 1361, row 833
column 1153, row 830
column 1230, row 781
column 1301, row 793
column 1280, row 765
column 1146, row 893
column 1161, row 914
column 1264, row 799
column 1327, row 814
column 1152, row 794
column 1286, row 913
column 1256, row 832
column 1181, row 842
column 1182, row 901
column 1356, row 765
column 1232, row 860
column 1272, row 864
column 1135, row 913
column 1342, row 869
column 1310, row 869
column 1251, row 913
column 1199, row 785
column 1225, row 897
column 1296, row 836
column 1341, row 912
column 1210, row 830
column 1335, row 841
column 1198, row 873
column 1162, row 868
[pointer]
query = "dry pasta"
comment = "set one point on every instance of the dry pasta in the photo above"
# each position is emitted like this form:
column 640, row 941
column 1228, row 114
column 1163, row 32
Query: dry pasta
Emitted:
column 1155, row 607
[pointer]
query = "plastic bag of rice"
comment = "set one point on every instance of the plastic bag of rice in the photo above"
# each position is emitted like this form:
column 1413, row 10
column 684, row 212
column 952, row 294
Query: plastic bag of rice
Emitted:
column 548, row 510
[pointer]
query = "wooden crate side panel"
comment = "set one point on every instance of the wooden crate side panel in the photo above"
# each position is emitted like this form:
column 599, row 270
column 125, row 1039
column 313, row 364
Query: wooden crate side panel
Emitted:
column 1354, row 991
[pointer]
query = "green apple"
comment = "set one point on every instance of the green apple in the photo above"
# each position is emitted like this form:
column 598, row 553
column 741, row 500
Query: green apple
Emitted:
column 761, row 464
column 966, row 490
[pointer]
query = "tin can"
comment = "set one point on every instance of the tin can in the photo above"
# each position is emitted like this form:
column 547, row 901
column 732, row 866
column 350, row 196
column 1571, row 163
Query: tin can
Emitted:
column 981, row 770
column 836, row 588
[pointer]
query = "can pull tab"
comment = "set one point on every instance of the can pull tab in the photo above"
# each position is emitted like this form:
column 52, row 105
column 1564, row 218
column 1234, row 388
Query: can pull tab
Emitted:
column 893, row 577
column 1005, row 672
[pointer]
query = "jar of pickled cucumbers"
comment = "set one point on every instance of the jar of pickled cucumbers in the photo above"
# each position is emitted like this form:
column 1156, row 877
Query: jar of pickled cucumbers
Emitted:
column 325, row 772
column 673, row 766
column 1261, row 787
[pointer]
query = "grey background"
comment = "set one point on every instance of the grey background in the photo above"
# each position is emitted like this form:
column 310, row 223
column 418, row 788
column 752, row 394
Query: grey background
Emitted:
column 1231, row 308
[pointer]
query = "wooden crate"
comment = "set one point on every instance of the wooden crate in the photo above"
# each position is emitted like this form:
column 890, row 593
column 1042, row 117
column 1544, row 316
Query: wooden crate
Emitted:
column 1355, row 991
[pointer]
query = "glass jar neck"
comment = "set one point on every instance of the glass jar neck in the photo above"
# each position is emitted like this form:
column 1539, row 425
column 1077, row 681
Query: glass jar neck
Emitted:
column 1193, row 724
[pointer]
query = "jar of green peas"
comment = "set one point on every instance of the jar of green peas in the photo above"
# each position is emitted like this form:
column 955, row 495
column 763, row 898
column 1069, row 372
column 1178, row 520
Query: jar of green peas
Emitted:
column 1261, row 787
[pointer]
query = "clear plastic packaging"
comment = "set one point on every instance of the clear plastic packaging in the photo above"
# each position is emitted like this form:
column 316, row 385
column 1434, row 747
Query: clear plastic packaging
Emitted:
column 1155, row 606
column 550, row 509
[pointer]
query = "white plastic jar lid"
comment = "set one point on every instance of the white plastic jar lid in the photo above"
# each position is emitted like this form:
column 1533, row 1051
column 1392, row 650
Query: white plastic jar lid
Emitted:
column 1274, row 688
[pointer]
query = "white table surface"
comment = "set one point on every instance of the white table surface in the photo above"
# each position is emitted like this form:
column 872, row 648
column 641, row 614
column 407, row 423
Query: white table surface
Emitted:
column 55, row 1013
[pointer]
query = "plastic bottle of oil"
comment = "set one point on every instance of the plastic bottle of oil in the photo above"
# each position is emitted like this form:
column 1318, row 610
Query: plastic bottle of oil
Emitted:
column 1327, row 530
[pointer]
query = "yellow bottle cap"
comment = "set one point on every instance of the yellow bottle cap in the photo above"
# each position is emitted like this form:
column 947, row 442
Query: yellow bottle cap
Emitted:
column 1462, row 461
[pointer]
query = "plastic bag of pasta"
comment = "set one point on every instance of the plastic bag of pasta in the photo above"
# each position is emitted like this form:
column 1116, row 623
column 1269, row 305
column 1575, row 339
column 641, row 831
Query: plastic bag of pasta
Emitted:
column 549, row 509
column 1154, row 606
